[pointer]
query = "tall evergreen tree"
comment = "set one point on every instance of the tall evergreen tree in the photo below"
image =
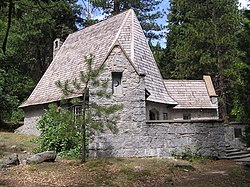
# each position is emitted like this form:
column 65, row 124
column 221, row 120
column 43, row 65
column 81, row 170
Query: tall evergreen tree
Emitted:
column 202, row 39
column 147, row 12
column 241, row 107
column 28, row 45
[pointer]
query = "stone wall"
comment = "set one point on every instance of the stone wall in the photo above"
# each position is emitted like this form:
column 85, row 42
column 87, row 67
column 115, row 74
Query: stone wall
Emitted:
column 133, row 114
column 231, row 140
column 138, row 138
column 31, row 115
column 161, row 139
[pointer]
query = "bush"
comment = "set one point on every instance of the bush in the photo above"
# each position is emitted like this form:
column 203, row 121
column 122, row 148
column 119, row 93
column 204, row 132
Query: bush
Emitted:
column 189, row 153
column 60, row 132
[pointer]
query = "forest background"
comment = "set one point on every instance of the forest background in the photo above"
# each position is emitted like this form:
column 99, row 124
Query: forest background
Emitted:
column 201, row 38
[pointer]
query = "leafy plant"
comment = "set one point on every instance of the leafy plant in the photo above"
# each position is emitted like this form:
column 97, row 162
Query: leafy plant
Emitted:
column 188, row 153
column 59, row 132
column 64, row 131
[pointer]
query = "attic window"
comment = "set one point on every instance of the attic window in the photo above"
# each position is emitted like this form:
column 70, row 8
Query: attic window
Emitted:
column 187, row 116
column 153, row 114
column 117, row 82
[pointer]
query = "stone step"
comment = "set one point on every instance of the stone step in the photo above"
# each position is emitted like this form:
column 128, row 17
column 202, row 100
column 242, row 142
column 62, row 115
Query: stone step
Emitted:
column 232, row 150
column 237, row 156
column 244, row 160
column 237, row 153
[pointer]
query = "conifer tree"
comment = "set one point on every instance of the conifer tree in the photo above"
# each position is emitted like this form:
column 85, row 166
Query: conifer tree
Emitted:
column 95, row 117
column 202, row 39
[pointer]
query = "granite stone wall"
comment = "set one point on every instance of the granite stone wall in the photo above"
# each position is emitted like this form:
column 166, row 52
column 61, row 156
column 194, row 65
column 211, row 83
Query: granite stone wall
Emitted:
column 31, row 115
column 138, row 138
column 231, row 140
column 161, row 139
column 133, row 114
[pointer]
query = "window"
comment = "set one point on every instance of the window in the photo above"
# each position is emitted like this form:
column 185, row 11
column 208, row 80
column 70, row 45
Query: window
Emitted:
column 56, row 44
column 78, row 110
column 117, row 82
column 165, row 116
column 153, row 114
column 186, row 116
column 237, row 132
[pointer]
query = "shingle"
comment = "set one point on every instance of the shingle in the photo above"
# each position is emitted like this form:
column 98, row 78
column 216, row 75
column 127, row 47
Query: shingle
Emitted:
column 98, row 40
column 189, row 93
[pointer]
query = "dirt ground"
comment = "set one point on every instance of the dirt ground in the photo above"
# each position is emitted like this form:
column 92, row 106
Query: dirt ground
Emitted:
column 120, row 172
column 116, row 171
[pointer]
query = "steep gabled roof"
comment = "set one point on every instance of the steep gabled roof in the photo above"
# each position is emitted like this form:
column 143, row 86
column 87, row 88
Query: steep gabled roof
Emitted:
column 191, row 94
column 98, row 40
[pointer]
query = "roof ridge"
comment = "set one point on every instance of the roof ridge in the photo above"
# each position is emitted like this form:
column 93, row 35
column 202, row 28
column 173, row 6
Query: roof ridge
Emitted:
column 120, row 29
column 101, row 21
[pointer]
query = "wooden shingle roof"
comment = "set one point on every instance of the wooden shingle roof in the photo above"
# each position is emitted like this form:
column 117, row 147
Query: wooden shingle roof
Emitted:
column 190, row 94
column 98, row 40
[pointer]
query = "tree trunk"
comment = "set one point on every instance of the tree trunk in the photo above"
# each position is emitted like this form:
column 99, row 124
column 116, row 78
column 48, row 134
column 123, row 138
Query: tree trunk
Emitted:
column 11, row 6
column 116, row 7
column 83, row 159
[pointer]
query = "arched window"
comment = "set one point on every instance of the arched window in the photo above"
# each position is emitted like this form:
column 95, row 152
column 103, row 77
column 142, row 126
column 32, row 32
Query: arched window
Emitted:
column 154, row 114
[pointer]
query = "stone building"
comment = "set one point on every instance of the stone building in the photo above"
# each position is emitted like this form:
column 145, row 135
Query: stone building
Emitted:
column 159, row 116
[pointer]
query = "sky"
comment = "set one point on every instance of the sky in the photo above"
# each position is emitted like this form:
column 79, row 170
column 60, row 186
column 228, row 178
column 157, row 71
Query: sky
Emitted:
column 243, row 3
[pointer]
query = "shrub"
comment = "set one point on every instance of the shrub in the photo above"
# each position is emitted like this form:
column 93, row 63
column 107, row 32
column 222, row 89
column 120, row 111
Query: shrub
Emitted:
column 60, row 132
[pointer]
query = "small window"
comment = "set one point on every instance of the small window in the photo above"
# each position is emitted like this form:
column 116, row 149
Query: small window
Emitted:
column 186, row 116
column 117, row 82
column 165, row 116
column 237, row 132
column 78, row 110
column 153, row 114
column 56, row 44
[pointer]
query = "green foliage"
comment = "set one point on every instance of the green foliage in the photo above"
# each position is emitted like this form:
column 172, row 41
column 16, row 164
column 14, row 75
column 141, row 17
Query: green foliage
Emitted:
column 60, row 132
column 241, row 106
column 188, row 153
column 95, row 117
column 203, row 40
column 34, row 26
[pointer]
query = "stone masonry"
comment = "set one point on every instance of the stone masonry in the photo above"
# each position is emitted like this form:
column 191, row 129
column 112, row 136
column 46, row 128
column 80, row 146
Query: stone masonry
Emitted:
column 138, row 138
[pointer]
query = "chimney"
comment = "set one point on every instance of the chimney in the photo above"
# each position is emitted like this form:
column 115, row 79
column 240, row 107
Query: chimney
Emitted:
column 211, row 91
column 56, row 46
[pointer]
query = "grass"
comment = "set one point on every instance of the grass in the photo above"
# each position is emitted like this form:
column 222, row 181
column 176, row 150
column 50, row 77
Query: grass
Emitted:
column 20, row 143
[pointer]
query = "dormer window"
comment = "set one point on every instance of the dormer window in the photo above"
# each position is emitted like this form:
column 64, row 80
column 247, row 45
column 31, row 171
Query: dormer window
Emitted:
column 117, row 82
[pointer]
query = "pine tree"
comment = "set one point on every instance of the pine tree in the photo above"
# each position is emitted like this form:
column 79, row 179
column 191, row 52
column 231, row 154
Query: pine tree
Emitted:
column 147, row 12
column 95, row 117
column 202, row 39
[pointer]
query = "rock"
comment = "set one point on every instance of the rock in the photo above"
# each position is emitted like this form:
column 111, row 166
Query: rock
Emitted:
column 138, row 168
column 47, row 156
column 3, row 166
column 182, row 164
column 12, row 160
